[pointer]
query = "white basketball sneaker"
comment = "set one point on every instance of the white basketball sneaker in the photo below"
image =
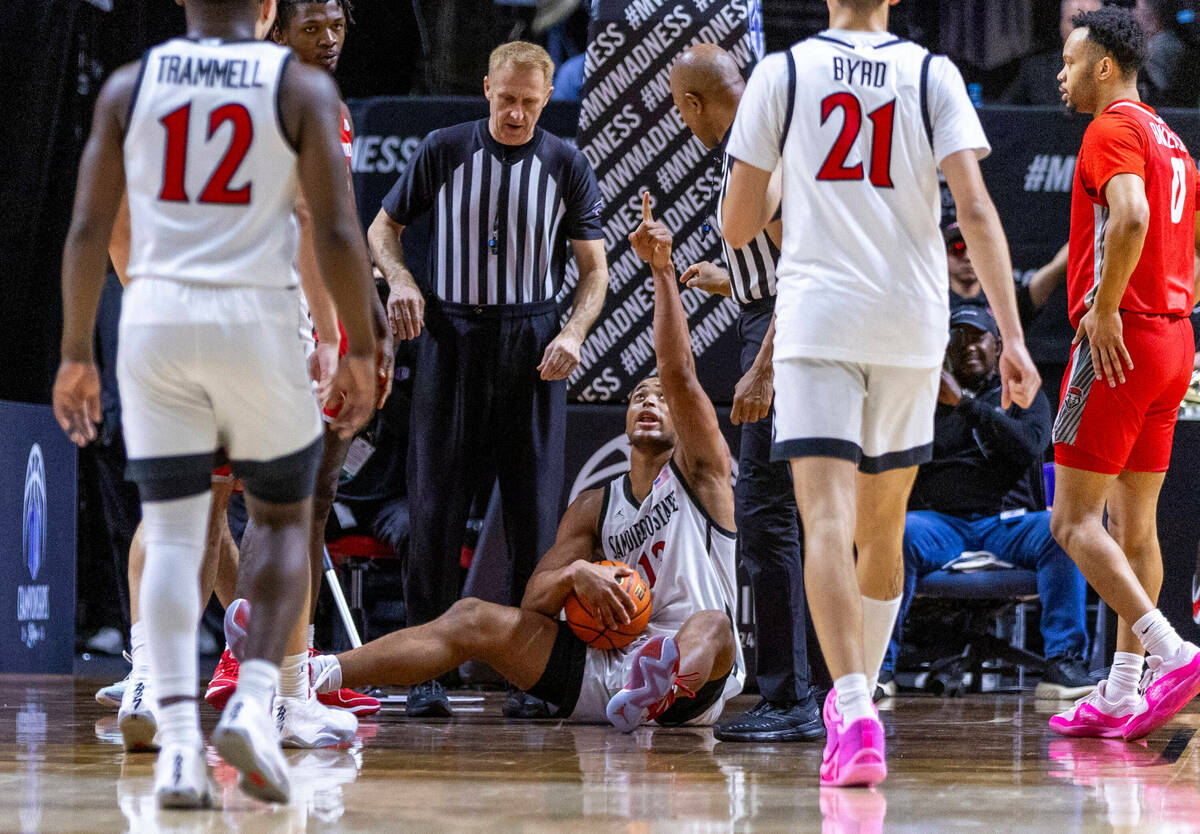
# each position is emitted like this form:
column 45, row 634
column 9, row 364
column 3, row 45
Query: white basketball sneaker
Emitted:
column 111, row 695
column 136, row 716
column 246, row 738
column 306, row 722
column 181, row 777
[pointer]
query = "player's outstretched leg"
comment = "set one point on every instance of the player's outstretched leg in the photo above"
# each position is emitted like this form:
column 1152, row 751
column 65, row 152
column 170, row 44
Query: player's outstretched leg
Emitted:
column 666, row 668
column 515, row 642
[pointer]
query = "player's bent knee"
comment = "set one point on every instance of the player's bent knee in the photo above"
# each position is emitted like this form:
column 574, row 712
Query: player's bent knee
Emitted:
column 713, row 626
column 472, row 620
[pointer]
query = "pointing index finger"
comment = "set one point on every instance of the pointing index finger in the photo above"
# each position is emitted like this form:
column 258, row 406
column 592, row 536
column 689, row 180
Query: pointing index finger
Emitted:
column 646, row 206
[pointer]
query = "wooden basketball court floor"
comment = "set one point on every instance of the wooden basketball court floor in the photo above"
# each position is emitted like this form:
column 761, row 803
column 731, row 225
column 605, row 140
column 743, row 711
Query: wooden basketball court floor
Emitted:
column 981, row 763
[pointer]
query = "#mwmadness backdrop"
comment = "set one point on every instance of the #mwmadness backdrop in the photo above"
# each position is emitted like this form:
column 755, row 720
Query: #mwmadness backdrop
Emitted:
column 633, row 138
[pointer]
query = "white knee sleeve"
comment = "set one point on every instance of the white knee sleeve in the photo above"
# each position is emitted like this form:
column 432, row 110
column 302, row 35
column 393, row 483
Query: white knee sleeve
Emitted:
column 175, row 533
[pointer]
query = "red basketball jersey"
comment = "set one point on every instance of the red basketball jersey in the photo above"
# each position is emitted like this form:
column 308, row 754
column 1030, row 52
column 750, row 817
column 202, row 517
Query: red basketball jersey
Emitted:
column 1130, row 138
column 346, row 132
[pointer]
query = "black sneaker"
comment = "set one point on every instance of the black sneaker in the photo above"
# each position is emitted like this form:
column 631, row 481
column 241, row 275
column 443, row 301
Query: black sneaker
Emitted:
column 428, row 700
column 521, row 704
column 885, row 687
column 1065, row 679
column 767, row 722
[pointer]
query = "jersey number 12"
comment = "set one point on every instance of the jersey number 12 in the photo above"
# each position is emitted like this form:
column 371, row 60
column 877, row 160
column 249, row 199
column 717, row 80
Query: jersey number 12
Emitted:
column 175, row 158
column 882, row 119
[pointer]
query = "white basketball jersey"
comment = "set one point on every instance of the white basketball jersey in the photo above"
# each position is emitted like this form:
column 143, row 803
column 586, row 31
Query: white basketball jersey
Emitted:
column 862, row 275
column 687, row 560
column 210, row 174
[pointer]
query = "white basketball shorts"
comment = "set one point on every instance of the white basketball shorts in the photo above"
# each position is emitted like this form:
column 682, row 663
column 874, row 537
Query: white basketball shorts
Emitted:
column 879, row 417
column 203, row 368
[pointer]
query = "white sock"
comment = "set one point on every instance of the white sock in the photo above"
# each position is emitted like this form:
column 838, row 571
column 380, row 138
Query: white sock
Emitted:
column 258, row 679
column 137, row 650
column 853, row 700
column 1156, row 634
column 312, row 630
column 293, row 676
column 175, row 532
column 879, row 618
column 179, row 723
column 1124, row 676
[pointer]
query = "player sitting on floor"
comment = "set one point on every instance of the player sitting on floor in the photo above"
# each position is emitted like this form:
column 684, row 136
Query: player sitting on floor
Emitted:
column 671, row 517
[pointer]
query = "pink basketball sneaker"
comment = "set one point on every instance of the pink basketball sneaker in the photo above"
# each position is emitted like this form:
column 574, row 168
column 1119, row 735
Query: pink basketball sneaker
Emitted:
column 854, row 752
column 1095, row 716
column 1169, row 685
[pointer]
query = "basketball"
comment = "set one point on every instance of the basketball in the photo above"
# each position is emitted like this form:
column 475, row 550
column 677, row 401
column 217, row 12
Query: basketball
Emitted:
column 591, row 630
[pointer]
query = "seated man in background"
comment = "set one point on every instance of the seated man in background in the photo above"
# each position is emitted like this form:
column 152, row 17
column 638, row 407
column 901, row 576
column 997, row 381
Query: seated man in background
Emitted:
column 978, row 494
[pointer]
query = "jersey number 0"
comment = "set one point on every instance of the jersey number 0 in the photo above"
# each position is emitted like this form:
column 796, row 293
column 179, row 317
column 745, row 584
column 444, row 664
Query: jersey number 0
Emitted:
column 175, row 158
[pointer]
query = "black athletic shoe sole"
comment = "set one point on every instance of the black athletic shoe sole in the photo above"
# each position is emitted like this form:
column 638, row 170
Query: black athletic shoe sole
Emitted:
column 808, row 731
column 428, row 709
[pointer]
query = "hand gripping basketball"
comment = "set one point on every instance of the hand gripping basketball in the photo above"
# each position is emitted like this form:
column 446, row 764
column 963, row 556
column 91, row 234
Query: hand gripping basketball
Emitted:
column 599, row 634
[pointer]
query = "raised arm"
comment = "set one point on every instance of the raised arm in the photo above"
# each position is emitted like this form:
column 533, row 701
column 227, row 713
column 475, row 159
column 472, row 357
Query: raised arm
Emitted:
column 568, row 567
column 985, row 239
column 700, row 449
column 561, row 356
column 310, row 103
column 1047, row 277
column 98, row 194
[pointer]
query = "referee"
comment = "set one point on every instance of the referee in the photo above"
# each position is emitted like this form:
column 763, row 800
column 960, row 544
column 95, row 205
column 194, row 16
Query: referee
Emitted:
column 489, row 393
column 706, row 86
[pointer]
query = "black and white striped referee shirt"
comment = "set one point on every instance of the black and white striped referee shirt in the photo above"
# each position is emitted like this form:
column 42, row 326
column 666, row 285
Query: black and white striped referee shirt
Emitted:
column 500, row 215
column 751, row 268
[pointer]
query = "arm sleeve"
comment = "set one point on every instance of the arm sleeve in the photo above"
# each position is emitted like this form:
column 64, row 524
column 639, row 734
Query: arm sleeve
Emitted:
column 414, row 192
column 956, row 124
column 1112, row 145
column 584, row 203
column 757, row 129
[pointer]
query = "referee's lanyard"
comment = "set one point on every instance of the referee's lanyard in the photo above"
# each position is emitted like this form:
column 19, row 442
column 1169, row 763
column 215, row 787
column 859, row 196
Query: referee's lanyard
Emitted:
column 494, row 243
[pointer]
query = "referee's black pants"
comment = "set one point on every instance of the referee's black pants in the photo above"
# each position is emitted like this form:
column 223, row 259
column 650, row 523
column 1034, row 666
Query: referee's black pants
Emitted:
column 480, row 411
column 770, row 540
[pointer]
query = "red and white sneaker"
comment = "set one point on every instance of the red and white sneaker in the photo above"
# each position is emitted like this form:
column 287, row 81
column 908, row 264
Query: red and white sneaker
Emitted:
column 854, row 752
column 224, row 681
column 1096, row 716
column 653, row 685
column 1168, row 685
column 347, row 699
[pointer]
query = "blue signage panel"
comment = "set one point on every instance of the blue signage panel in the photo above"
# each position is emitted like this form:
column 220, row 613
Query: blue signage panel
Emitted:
column 37, row 542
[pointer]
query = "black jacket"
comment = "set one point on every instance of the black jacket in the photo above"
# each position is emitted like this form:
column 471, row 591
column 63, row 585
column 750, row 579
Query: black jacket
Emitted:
column 985, row 460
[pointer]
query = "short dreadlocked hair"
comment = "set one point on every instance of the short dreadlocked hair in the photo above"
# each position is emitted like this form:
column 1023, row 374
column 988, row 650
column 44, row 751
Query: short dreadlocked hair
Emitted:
column 285, row 10
column 1117, row 32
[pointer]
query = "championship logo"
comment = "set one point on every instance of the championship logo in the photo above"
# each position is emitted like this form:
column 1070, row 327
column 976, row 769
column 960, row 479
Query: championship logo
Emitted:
column 33, row 600
column 33, row 516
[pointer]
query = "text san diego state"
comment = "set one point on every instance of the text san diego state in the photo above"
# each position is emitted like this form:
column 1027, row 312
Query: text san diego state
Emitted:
column 633, row 536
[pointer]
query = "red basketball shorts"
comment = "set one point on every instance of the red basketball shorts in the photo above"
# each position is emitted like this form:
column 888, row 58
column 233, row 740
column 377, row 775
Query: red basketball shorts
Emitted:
column 1108, row 429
